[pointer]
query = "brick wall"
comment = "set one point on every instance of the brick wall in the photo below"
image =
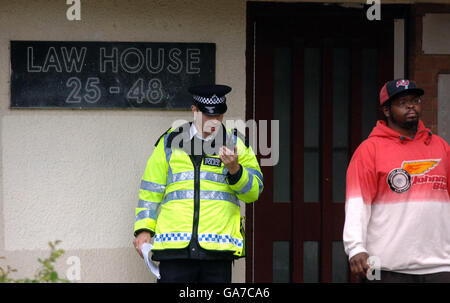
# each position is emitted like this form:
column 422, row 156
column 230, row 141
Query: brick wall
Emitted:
column 425, row 68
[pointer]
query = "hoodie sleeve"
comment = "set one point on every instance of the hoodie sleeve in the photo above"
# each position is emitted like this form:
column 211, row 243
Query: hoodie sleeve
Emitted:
column 448, row 170
column 361, row 189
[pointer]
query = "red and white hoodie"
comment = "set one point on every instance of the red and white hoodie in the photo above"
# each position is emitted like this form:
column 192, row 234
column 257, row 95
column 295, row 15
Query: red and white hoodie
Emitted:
column 398, row 205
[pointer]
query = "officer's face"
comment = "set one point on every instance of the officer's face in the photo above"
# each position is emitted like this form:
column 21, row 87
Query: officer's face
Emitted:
column 208, row 124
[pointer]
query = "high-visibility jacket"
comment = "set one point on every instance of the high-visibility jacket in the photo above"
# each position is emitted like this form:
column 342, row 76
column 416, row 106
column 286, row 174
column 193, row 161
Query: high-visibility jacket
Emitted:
column 181, row 202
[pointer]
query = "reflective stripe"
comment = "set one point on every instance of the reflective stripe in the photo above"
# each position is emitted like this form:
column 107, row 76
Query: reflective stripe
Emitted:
column 173, row 237
column 147, row 204
column 215, row 177
column 153, row 187
column 225, row 170
column 260, row 186
column 248, row 186
column 219, row 195
column 220, row 239
column 168, row 151
column 183, row 176
column 178, row 195
column 169, row 174
column 146, row 214
column 255, row 172
column 204, row 195
column 204, row 175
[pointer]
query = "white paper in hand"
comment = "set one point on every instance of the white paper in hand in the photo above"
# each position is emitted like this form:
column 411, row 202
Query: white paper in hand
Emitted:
column 154, row 269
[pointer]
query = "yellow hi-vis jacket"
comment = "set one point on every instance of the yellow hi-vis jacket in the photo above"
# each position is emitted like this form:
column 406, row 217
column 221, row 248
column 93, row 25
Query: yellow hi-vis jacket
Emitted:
column 196, row 202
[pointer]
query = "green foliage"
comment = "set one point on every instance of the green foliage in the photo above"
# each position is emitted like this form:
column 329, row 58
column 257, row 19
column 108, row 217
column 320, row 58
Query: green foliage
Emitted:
column 4, row 273
column 45, row 274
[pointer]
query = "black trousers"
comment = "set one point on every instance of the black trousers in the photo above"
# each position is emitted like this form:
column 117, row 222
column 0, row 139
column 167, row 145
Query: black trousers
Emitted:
column 195, row 271
column 395, row 277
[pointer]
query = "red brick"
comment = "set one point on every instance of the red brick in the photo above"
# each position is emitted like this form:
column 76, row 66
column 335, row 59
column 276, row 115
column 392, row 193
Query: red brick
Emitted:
column 429, row 117
column 425, row 77
column 442, row 62
column 430, row 90
column 428, row 104
column 425, row 62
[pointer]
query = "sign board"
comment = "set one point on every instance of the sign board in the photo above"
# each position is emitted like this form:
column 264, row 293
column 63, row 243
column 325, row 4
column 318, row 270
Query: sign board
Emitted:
column 48, row 74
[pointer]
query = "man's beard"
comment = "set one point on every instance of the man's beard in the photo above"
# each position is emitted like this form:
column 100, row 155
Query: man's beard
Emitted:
column 410, row 125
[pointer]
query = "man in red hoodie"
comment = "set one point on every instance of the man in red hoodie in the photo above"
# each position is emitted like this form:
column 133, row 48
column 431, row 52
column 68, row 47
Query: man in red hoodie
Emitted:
column 398, row 206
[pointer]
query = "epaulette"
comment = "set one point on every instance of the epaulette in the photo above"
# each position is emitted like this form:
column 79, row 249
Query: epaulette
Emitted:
column 157, row 141
column 241, row 136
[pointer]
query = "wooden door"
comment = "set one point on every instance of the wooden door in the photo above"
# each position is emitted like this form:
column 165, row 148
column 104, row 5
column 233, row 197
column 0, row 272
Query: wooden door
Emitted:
column 317, row 73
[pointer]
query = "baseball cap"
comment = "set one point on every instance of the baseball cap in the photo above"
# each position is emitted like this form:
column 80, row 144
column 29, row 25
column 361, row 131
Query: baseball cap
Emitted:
column 393, row 88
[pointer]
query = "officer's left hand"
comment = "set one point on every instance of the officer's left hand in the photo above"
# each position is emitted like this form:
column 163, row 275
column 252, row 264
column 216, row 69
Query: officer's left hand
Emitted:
column 229, row 159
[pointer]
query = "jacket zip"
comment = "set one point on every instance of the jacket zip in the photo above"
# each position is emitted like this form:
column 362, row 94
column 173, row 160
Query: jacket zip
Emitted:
column 196, row 197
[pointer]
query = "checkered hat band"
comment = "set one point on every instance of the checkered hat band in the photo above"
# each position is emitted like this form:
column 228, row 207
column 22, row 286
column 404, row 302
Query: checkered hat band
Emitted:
column 213, row 100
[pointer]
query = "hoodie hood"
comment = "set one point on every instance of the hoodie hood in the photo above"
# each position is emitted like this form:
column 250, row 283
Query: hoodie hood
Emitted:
column 382, row 130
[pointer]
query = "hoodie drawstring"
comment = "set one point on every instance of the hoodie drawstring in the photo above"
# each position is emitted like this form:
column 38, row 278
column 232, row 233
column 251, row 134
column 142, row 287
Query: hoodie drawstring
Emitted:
column 428, row 139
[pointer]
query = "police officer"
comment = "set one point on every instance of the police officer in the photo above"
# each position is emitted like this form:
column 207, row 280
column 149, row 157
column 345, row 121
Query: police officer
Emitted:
column 190, row 192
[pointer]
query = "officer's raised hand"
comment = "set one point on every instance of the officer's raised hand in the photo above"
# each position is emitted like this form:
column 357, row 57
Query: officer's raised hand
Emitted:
column 229, row 159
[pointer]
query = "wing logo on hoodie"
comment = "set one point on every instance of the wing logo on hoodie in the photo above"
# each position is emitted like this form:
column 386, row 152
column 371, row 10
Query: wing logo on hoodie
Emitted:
column 420, row 167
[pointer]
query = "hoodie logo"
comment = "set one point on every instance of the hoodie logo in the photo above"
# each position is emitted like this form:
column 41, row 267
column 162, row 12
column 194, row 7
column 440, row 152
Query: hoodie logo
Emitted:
column 400, row 180
column 404, row 83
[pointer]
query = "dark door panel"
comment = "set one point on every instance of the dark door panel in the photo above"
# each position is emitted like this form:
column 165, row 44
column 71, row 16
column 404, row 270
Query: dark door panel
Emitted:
column 318, row 73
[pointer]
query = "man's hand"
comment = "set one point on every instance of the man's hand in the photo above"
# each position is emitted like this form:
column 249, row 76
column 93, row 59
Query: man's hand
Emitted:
column 229, row 159
column 143, row 237
column 358, row 264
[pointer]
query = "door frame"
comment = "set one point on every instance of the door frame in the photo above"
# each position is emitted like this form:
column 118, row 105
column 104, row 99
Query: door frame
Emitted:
column 258, row 11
